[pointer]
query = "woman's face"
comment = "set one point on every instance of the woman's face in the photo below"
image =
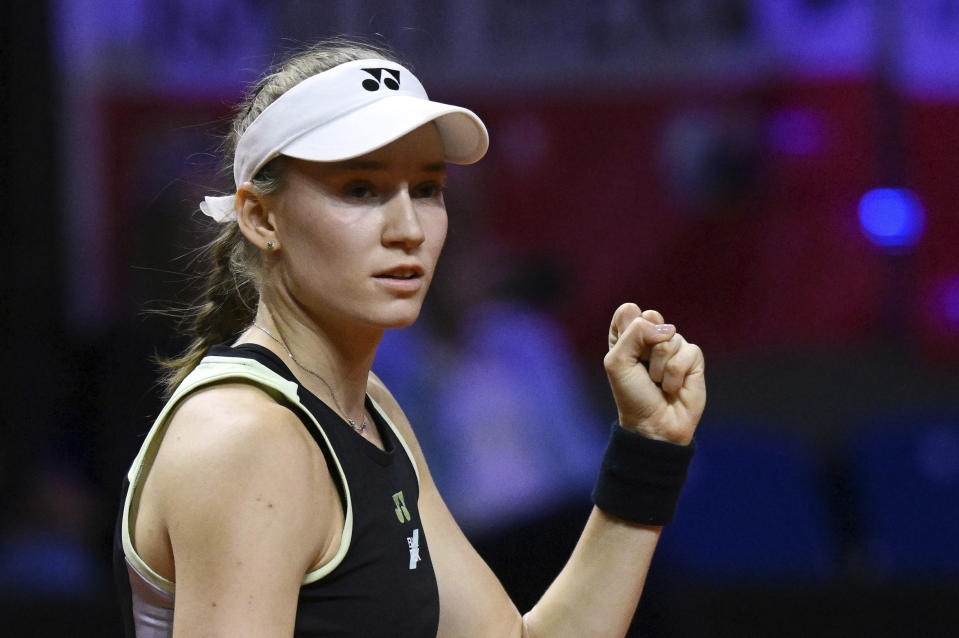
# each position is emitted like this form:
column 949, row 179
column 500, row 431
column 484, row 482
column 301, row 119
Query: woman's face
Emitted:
column 359, row 239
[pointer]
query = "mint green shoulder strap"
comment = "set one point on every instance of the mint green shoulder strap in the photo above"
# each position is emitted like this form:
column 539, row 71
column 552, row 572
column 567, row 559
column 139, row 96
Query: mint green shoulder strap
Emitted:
column 211, row 371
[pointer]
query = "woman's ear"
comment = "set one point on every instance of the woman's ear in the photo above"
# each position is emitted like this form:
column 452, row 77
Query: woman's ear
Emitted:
column 255, row 218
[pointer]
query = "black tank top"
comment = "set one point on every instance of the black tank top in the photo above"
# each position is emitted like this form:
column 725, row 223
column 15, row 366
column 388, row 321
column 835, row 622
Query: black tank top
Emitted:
column 385, row 585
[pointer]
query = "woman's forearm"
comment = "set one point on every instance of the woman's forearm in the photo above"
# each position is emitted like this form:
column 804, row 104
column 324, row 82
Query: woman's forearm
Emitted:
column 597, row 591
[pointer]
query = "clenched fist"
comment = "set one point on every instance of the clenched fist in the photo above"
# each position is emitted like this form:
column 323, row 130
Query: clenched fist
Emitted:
column 657, row 377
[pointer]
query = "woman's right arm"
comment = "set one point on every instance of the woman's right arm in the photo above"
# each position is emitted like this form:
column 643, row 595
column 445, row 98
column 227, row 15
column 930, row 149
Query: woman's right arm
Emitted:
column 597, row 591
column 244, row 525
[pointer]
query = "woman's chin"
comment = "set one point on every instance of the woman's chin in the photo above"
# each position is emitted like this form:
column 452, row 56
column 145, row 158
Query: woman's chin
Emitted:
column 401, row 319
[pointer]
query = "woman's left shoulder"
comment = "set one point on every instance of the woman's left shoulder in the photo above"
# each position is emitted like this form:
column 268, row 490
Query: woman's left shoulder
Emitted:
column 384, row 398
column 388, row 403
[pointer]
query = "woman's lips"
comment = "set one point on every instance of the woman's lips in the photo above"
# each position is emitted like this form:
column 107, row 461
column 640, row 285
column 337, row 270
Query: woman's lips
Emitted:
column 401, row 279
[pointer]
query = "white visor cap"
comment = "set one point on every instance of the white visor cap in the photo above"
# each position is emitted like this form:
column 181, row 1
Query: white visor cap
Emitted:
column 345, row 112
column 384, row 121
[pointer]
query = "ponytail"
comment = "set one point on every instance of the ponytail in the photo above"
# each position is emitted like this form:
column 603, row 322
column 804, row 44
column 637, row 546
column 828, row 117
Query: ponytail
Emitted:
column 226, row 308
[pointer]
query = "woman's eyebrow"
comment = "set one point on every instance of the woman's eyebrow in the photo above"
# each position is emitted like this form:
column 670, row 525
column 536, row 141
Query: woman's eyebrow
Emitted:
column 435, row 167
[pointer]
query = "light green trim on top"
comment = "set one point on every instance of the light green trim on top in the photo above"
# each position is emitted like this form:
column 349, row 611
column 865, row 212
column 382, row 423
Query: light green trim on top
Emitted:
column 409, row 453
column 212, row 370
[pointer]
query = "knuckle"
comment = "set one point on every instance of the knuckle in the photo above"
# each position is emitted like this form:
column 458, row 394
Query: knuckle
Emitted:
column 674, row 368
column 653, row 315
column 626, row 308
column 669, row 347
column 695, row 351
column 610, row 360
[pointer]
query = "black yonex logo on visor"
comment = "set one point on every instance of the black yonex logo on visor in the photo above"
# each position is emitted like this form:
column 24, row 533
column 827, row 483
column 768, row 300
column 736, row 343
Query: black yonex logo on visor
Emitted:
column 390, row 80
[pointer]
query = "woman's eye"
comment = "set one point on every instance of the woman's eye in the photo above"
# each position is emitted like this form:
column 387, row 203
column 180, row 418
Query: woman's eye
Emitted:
column 360, row 190
column 428, row 190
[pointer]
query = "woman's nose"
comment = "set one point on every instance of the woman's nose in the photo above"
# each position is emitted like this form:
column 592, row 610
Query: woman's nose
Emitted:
column 402, row 221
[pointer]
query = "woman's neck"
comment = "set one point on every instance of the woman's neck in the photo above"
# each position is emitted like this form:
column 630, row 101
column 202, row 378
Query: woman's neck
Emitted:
column 326, row 361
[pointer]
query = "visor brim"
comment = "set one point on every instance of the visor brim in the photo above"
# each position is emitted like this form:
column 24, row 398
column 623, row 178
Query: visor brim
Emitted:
column 374, row 125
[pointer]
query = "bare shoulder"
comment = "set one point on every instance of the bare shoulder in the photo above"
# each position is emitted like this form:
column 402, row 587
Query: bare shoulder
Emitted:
column 385, row 399
column 381, row 394
column 233, row 461
column 247, row 506
column 242, row 498
column 232, row 427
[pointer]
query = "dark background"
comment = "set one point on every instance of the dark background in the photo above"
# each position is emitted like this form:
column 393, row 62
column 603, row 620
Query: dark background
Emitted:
column 705, row 159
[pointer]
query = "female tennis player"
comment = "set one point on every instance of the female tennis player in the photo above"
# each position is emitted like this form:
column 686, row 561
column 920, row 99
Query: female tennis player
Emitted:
column 281, row 490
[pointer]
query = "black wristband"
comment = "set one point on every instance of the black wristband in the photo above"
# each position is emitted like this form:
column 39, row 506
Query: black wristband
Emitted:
column 640, row 478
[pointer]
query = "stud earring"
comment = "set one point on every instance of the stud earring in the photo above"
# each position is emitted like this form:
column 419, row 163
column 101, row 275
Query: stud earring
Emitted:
column 270, row 245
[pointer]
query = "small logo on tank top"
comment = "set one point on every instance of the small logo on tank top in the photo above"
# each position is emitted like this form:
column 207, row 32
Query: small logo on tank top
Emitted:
column 402, row 514
column 414, row 543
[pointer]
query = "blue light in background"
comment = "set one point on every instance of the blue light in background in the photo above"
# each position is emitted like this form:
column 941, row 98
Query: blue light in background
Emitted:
column 892, row 218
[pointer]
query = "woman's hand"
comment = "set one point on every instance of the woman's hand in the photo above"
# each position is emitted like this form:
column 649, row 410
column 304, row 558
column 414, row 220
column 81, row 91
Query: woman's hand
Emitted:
column 657, row 377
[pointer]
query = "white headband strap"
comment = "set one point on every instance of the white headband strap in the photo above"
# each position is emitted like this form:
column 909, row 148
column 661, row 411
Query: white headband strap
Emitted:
column 327, row 117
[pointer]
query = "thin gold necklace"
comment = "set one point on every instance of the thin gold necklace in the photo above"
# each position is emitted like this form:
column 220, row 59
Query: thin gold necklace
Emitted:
column 359, row 428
